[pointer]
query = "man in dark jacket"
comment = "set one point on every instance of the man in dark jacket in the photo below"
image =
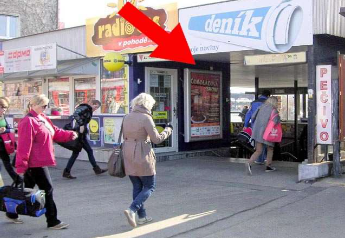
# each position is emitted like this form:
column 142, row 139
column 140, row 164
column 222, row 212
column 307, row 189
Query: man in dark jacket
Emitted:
column 255, row 105
column 81, row 117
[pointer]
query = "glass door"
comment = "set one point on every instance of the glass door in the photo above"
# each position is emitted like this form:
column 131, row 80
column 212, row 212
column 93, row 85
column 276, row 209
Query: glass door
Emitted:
column 161, row 84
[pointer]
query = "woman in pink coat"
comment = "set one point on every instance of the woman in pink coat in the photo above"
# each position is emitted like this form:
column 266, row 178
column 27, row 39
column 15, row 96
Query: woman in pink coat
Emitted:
column 35, row 153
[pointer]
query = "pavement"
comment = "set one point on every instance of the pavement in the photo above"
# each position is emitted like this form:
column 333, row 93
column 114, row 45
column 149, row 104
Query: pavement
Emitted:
column 197, row 197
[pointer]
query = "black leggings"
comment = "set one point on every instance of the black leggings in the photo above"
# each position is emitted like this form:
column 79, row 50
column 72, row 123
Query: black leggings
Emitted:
column 7, row 164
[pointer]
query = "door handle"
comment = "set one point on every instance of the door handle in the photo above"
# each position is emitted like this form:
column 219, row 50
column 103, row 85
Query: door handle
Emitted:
column 174, row 110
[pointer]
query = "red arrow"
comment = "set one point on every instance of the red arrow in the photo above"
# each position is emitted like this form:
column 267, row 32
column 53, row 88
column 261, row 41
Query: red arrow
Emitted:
column 171, row 46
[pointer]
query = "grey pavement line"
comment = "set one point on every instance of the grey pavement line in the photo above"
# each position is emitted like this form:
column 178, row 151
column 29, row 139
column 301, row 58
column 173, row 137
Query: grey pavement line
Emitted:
column 307, row 195
column 227, row 217
column 271, row 210
column 253, row 187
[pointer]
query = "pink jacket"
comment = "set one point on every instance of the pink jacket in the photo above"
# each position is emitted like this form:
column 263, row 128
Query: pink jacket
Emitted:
column 35, row 143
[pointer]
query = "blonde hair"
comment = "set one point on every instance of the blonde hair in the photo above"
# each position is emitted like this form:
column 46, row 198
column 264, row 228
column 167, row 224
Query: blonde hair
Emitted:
column 273, row 101
column 143, row 99
column 37, row 100
column 4, row 102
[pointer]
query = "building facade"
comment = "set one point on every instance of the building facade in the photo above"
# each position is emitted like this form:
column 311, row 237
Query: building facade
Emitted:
column 202, row 101
column 27, row 17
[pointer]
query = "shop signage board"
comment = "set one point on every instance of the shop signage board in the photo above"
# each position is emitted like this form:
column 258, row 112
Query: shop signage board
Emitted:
column 144, row 58
column 159, row 115
column 203, row 104
column 39, row 57
column 268, row 25
column 324, row 105
column 113, row 33
column 94, row 128
column 270, row 59
column 43, row 57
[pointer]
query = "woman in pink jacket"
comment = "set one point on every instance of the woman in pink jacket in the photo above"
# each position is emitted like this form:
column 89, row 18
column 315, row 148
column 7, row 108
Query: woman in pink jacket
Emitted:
column 35, row 153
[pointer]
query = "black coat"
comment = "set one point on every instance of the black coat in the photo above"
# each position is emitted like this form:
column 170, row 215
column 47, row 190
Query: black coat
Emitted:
column 82, row 116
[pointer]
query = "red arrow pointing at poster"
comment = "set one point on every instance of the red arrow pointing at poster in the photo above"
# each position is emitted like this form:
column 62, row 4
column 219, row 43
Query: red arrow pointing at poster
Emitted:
column 171, row 46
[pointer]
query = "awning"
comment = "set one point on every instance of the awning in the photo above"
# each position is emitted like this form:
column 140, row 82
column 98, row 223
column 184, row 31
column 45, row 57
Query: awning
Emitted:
column 89, row 66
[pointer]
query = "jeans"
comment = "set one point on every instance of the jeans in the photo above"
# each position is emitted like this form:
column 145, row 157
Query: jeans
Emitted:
column 263, row 155
column 41, row 178
column 89, row 151
column 143, row 187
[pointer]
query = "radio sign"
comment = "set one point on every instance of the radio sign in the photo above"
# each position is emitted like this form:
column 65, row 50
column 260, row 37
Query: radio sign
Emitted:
column 324, row 105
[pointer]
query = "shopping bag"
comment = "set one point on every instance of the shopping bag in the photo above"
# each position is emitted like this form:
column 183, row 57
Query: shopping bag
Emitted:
column 273, row 132
column 9, row 142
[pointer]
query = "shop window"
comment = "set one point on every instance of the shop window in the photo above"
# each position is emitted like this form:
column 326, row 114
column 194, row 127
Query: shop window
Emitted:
column 8, row 26
column 114, row 91
column 58, row 90
column 84, row 90
column 20, row 94
column 240, row 97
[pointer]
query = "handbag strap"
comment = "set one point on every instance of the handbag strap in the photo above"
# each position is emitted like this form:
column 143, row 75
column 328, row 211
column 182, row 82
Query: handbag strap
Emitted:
column 120, row 134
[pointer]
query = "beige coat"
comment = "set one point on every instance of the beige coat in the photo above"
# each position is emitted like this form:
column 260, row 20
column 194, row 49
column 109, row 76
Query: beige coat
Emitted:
column 139, row 131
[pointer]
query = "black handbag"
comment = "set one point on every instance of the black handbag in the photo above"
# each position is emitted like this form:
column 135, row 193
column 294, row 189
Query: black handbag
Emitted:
column 22, row 201
column 116, row 165
column 73, row 145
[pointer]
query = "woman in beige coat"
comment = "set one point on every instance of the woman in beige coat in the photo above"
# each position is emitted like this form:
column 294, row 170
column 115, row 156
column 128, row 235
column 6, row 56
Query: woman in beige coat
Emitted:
column 139, row 131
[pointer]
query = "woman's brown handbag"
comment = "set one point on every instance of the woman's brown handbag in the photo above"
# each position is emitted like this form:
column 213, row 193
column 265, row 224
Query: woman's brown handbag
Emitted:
column 116, row 165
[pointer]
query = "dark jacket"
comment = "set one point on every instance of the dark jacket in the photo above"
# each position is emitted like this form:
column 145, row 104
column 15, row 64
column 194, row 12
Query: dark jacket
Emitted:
column 82, row 115
column 253, row 107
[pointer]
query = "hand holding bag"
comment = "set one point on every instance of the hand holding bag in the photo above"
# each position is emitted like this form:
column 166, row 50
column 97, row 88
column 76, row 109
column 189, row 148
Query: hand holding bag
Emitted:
column 73, row 145
column 273, row 132
column 23, row 201
column 116, row 166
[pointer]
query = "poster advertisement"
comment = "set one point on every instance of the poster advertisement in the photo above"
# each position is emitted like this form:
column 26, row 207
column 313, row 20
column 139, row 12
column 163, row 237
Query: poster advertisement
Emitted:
column 115, row 97
column 2, row 62
column 203, row 102
column 43, row 57
column 94, row 129
column 109, row 130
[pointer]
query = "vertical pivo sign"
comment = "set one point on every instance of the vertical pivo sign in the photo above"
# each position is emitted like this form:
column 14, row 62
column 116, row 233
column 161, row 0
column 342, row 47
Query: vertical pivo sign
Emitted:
column 324, row 105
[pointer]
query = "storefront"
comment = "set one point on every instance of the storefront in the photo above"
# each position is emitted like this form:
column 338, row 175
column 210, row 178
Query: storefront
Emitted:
column 272, row 45
column 238, row 51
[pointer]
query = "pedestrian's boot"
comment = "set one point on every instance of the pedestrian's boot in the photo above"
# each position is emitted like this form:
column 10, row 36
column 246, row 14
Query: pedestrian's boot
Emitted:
column 67, row 174
column 98, row 170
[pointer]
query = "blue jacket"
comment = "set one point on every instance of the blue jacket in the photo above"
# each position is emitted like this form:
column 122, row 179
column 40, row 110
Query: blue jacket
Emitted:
column 253, row 107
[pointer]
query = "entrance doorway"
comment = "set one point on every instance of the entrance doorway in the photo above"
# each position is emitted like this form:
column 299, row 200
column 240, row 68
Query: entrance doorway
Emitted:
column 161, row 84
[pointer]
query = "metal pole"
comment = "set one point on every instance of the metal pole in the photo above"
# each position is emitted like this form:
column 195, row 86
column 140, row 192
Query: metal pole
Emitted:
column 256, row 87
column 335, row 122
column 296, row 116
column 311, row 104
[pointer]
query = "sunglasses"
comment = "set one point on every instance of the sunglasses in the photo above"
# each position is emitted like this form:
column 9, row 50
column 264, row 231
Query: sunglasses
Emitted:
column 4, row 108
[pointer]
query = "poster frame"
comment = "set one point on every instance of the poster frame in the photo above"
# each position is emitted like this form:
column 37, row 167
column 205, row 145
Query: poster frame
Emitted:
column 187, row 105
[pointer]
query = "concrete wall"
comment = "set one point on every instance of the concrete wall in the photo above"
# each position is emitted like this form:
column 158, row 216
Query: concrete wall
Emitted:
column 35, row 16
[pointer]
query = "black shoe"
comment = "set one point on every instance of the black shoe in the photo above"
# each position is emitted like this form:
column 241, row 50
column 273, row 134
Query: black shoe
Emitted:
column 98, row 170
column 68, row 175
column 270, row 169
